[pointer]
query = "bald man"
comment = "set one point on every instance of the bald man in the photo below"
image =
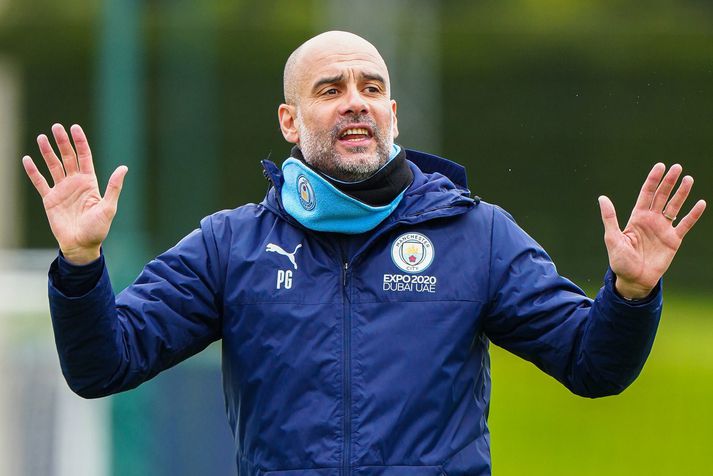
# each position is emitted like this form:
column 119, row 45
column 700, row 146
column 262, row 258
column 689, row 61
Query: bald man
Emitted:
column 357, row 301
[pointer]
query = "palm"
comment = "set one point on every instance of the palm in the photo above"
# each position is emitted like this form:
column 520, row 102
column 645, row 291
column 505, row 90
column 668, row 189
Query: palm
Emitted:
column 644, row 250
column 76, row 212
column 78, row 215
column 641, row 253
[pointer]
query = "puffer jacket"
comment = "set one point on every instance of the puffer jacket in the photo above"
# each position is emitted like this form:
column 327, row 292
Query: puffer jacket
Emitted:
column 374, row 364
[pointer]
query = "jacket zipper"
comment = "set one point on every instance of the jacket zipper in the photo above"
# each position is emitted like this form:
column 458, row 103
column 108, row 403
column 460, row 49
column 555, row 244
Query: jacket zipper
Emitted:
column 347, row 332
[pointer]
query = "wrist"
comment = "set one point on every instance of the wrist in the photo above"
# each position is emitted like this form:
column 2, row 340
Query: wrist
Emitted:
column 81, row 256
column 631, row 291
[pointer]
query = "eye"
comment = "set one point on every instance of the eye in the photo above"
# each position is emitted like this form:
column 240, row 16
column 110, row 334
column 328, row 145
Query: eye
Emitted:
column 373, row 89
column 330, row 91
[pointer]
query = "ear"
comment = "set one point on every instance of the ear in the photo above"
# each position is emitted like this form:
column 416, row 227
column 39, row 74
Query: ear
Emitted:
column 287, row 115
column 394, row 120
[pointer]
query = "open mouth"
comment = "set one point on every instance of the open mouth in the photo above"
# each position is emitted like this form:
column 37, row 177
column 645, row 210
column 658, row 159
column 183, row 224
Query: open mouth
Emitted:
column 355, row 134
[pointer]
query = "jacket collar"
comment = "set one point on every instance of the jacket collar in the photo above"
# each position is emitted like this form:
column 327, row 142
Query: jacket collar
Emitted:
column 439, row 189
column 429, row 164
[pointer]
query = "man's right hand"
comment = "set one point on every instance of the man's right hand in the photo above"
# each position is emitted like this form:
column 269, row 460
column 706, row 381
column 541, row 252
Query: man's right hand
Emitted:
column 78, row 215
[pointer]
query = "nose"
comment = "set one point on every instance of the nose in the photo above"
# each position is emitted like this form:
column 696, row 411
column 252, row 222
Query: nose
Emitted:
column 354, row 102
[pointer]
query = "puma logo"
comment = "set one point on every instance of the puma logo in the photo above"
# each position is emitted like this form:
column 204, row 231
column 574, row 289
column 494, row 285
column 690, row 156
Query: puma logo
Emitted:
column 273, row 248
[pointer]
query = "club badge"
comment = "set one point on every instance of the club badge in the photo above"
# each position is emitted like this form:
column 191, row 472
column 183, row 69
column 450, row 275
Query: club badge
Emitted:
column 306, row 193
column 412, row 252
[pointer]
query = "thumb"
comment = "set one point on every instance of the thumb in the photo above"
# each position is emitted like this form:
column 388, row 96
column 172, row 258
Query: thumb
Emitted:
column 113, row 188
column 611, row 224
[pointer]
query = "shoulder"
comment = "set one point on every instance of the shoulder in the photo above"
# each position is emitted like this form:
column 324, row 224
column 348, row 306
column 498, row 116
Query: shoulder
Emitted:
column 490, row 223
column 486, row 214
column 242, row 226
column 248, row 215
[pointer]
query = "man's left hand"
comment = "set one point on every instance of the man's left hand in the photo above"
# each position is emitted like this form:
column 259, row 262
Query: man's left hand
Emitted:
column 641, row 253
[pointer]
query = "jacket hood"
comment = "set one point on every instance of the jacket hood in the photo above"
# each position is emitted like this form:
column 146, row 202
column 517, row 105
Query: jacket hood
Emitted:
column 439, row 189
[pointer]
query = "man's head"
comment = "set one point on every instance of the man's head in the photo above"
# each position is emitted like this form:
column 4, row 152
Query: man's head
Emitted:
column 338, row 105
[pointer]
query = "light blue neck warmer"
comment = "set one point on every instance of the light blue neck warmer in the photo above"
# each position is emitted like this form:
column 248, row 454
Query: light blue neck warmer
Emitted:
column 318, row 205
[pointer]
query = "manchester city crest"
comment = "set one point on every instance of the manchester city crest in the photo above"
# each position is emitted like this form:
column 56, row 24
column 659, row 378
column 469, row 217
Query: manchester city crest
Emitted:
column 306, row 193
column 412, row 252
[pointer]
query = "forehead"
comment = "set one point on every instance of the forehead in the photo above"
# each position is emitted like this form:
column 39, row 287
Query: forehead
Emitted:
column 317, row 64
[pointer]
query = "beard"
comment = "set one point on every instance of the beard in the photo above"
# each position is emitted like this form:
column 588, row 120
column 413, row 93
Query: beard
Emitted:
column 320, row 151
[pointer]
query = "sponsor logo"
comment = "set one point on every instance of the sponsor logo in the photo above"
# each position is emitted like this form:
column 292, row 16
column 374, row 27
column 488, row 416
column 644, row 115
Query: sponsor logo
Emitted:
column 284, row 276
column 412, row 252
column 273, row 248
column 306, row 193
column 410, row 282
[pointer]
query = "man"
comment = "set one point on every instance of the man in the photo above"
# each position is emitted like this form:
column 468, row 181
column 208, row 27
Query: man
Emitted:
column 357, row 301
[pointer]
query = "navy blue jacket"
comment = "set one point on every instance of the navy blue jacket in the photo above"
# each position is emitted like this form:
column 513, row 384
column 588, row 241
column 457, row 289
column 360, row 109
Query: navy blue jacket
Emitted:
column 373, row 364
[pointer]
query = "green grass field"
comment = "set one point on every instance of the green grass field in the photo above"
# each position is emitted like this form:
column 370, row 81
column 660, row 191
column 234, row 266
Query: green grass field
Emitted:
column 661, row 425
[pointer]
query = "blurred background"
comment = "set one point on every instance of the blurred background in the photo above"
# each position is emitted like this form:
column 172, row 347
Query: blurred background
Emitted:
column 547, row 103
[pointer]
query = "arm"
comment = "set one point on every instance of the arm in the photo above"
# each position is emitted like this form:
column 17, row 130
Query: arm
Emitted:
column 594, row 348
column 172, row 311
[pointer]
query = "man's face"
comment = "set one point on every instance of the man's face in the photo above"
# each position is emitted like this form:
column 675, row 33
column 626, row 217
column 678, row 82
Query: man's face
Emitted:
column 345, row 120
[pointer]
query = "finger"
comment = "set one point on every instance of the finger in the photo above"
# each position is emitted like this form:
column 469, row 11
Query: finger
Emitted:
column 687, row 222
column 35, row 176
column 611, row 224
column 664, row 189
column 84, row 154
column 113, row 188
column 674, row 205
column 69, row 159
column 53, row 163
column 646, row 195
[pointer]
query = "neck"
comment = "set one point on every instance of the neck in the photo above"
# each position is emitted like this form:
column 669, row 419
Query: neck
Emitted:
column 378, row 189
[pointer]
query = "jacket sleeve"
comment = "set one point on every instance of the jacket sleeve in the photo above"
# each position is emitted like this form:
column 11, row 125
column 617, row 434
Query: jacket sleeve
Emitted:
column 172, row 311
column 595, row 348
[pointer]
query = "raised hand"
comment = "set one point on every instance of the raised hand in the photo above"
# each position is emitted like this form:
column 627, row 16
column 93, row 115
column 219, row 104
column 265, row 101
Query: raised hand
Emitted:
column 641, row 253
column 78, row 215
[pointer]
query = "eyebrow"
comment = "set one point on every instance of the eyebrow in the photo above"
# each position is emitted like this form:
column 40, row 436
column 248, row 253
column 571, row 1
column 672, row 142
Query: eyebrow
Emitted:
column 373, row 77
column 340, row 78
column 330, row 80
